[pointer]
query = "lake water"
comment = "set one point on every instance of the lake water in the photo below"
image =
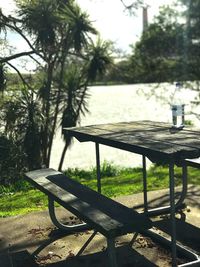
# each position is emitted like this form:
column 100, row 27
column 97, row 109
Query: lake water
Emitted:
column 114, row 104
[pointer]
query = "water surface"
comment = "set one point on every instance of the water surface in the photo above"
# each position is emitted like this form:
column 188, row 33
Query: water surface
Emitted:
column 115, row 104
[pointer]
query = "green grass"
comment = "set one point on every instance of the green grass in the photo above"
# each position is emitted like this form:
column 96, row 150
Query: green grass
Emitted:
column 22, row 203
column 21, row 198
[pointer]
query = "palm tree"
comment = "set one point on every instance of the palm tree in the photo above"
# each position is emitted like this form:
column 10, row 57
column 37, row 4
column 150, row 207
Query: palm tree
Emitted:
column 99, row 58
column 60, row 30
column 74, row 103
column 59, row 33
column 76, row 86
column 75, row 39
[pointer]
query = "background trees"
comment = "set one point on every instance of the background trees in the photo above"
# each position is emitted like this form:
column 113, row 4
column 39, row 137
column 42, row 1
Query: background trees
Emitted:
column 157, row 57
column 169, row 49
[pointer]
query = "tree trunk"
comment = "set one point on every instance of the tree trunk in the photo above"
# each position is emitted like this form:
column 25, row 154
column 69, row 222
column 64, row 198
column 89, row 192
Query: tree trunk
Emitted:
column 63, row 157
column 47, row 116
column 65, row 50
column 56, row 109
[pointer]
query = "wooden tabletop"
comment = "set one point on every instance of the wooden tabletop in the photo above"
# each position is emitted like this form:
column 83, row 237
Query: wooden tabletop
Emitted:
column 156, row 140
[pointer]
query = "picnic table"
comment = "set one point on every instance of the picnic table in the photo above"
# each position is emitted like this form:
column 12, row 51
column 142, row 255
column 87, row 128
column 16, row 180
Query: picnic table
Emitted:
column 160, row 143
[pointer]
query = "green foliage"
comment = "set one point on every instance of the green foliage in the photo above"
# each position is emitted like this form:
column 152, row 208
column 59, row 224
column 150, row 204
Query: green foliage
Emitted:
column 40, row 20
column 192, row 38
column 116, row 181
column 58, row 34
column 79, row 25
column 19, row 185
column 107, row 170
column 12, row 161
column 2, row 78
column 99, row 59
column 169, row 49
column 157, row 56
column 23, row 123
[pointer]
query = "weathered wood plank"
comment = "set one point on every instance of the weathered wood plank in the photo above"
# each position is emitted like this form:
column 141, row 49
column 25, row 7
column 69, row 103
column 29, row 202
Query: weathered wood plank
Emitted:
column 157, row 141
column 104, row 214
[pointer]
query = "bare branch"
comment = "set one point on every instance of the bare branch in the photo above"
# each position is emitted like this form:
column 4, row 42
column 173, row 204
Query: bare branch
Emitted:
column 15, row 28
column 6, row 59
column 34, row 59
column 19, row 73
column 133, row 6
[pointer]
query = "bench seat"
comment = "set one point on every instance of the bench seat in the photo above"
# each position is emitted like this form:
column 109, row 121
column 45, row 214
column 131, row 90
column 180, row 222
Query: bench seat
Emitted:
column 103, row 214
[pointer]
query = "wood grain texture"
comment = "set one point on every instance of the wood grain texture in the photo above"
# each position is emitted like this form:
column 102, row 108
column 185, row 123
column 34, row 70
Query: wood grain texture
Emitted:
column 156, row 140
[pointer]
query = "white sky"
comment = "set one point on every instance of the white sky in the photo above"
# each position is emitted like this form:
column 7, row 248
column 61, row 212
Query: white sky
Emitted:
column 109, row 18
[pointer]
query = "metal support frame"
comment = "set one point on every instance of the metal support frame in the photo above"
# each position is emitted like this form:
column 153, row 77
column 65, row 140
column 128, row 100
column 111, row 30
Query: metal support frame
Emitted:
column 112, row 252
column 98, row 168
column 144, row 171
column 165, row 209
column 171, row 208
column 70, row 228
column 133, row 239
column 86, row 243
column 80, row 227
column 150, row 212
column 172, row 212
column 192, row 256
column 175, row 247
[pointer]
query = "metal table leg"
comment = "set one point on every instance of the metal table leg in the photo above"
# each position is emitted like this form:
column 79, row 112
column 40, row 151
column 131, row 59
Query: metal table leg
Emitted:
column 171, row 243
column 172, row 213
column 144, row 171
column 112, row 252
column 166, row 209
column 98, row 167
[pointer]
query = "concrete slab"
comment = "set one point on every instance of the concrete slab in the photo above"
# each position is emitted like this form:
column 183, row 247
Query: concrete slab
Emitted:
column 21, row 236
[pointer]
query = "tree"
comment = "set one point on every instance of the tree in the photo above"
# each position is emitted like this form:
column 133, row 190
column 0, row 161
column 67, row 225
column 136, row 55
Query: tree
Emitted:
column 58, row 34
column 157, row 57
column 74, row 94
column 191, row 53
column 192, row 38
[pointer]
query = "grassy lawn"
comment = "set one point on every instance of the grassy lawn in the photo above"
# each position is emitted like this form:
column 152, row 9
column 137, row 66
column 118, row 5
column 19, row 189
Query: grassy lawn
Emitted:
column 22, row 198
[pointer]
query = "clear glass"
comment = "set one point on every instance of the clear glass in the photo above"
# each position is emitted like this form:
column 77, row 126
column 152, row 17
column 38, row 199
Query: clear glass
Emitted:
column 178, row 116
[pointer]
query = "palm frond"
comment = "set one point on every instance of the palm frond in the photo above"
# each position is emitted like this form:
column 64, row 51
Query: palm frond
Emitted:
column 99, row 58
column 40, row 20
column 79, row 26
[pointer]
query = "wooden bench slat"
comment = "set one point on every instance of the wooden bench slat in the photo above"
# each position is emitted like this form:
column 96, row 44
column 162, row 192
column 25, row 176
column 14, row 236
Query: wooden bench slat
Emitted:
column 104, row 214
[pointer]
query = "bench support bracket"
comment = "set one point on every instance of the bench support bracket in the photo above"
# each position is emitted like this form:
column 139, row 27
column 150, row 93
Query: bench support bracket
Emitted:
column 71, row 228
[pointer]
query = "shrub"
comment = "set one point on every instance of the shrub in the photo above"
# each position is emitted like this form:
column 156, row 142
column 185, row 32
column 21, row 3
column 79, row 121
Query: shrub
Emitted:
column 11, row 161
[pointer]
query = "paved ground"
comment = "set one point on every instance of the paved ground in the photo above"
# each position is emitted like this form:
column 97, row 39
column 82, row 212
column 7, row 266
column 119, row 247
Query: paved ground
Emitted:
column 21, row 236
